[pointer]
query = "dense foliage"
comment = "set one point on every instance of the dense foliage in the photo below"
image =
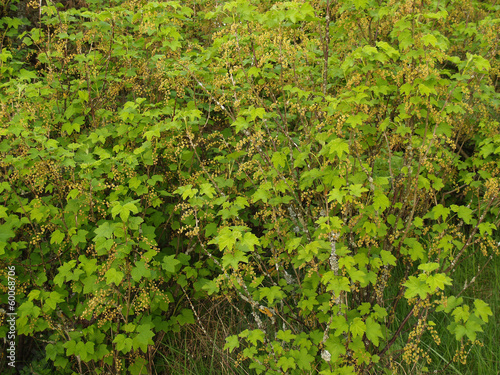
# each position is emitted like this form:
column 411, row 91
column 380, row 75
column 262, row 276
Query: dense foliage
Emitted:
column 322, row 166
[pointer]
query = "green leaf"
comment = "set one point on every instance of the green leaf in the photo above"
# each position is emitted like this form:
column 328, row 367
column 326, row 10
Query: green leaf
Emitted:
column 405, row 39
column 380, row 201
column 186, row 317
column 34, row 294
column 451, row 303
column 373, row 331
column 463, row 212
column 278, row 159
column 249, row 241
column 253, row 71
column 105, row 230
column 89, row 284
column 391, row 52
column 379, row 312
column 336, row 194
column 458, row 329
column 54, row 299
column 140, row 271
column 272, row 293
column 285, row 336
column 335, row 283
column 123, row 343
column 335, row 347
column 304, row 360
column 84, row 349
column 440, row 211
column 257, row 112
column 486, row 228
column 83, row 95
column 472, row 327
column 482, row 310
column 438, row 281
column 461, row 313
column 357, row 190
column 232, row 343
column 387, row 258
column 428, row 267
column 139, row 367
column 211, row 287
column 64, row 272
column 114, row 276
column 233, row 259
column 53, row 350
column 338, row 146
column 286, row 363
column 340, row 325
column 208, row 190
column 170, row 263
column 240, row 124
column 57, row 237
column 130, row 206
column 360, row 4
column 80, row 237
column 226, row 238
column 70, row 347
column 416, row 287
column 261, row 194
column 355, row 120
column 416, row 251
column 5, row 234
column 429, row 39
column 255, row 336
column 357, row 327
column 423, row 183
column 143, row 337
column 186, row 191
column 480, row 63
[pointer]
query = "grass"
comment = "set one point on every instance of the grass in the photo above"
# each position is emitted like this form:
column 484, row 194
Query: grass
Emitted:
column 196, row 352
column 484, row 360
column 481, row 359
column 198, row 348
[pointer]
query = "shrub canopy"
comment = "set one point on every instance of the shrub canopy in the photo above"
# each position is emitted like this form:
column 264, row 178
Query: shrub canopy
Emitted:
column 325, row 166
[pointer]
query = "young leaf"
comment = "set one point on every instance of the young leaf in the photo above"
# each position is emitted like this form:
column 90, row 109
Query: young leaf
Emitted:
column 232, row 343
